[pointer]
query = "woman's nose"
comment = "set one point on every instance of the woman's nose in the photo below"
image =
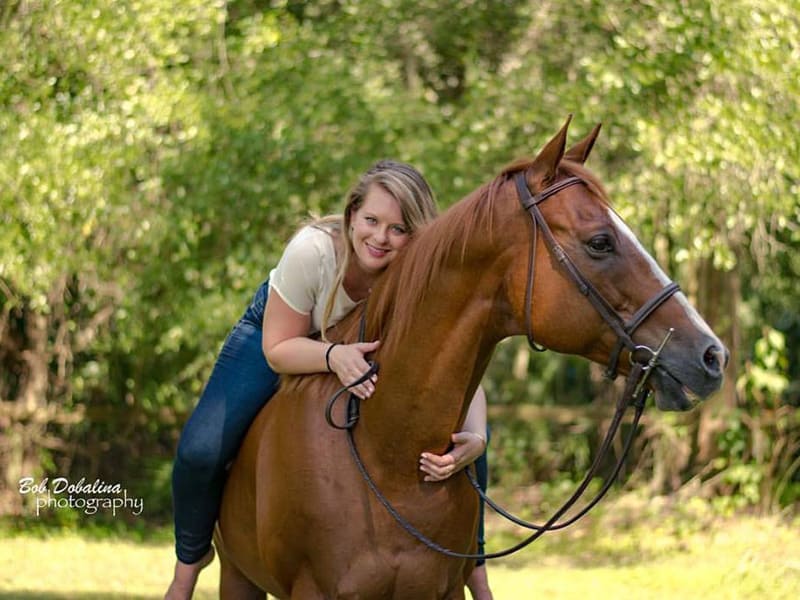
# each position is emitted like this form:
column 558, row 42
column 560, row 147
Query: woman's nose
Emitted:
column 382, row 235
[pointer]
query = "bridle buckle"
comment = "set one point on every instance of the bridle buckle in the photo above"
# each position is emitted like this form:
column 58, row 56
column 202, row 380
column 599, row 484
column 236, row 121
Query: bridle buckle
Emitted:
column 647, row 368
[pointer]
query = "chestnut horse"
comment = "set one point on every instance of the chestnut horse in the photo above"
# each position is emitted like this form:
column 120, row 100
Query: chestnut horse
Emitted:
column 297, row 519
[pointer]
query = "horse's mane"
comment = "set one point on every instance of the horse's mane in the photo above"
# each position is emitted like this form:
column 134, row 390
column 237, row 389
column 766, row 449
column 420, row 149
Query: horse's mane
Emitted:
column 414, row 273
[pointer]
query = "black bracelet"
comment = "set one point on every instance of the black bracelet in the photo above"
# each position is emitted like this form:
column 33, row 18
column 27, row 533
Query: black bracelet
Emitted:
column 328, row 355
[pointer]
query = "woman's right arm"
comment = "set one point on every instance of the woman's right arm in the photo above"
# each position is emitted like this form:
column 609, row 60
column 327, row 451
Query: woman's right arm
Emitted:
column 288, row 349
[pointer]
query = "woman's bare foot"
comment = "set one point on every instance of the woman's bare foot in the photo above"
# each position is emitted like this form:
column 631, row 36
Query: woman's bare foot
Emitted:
column 185, row 578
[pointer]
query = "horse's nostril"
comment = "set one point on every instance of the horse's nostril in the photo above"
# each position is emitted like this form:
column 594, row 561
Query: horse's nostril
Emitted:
column 715, row 359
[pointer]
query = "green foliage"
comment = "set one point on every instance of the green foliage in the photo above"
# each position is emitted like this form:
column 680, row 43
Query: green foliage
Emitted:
column 155, row 156
column 765, row 378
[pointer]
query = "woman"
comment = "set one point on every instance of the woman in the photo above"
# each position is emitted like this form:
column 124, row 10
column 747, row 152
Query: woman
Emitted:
column 326, row 270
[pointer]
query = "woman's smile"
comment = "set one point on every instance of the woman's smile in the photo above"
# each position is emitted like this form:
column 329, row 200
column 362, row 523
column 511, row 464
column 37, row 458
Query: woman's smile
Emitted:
column 377, row 252
column 378, row 230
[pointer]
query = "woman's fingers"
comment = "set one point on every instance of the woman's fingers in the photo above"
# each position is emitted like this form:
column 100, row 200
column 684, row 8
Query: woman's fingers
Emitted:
column 367, row 347
column 437, row 467
column 349, row 365
column 365, row 389
column 467, row 446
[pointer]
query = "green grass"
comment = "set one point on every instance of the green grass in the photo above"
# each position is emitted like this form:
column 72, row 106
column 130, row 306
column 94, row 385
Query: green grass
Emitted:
column 653, row 555
column 746, row 558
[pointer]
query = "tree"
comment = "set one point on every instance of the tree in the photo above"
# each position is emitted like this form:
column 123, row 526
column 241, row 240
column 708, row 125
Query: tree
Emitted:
column 155, row 156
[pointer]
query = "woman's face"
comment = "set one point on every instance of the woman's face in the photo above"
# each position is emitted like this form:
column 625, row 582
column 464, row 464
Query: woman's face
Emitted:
column 377, row 230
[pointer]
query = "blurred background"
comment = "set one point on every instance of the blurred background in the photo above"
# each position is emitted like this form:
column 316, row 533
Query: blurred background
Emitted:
column 156, row 155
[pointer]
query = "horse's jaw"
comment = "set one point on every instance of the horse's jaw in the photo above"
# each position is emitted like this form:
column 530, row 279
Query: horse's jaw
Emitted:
column 671, row 394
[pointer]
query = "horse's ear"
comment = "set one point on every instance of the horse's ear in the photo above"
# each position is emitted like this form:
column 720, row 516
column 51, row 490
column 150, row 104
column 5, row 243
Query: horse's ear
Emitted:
column 580, row 151
column 546, row 162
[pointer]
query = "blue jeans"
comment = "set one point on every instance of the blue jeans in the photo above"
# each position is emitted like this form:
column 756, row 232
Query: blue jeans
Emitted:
column 482, row 475
column 240, row 385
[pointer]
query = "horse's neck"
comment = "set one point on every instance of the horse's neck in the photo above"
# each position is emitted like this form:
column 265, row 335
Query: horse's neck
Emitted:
column 427, row 380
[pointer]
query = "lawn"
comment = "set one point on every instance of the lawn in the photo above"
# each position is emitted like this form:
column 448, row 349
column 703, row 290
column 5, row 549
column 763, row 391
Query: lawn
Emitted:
column 655, row 557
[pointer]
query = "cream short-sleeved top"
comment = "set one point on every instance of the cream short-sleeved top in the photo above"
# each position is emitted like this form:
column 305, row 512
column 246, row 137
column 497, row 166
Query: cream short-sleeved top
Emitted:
column 305, row 274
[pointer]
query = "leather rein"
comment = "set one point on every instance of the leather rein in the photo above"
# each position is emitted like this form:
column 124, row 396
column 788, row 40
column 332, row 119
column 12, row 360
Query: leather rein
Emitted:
column 643, row 360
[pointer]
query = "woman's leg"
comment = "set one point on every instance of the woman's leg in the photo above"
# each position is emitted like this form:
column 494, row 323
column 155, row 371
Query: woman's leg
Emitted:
column 240, row 384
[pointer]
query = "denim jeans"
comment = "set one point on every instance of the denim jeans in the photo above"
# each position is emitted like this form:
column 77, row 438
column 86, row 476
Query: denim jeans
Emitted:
column 482, row 475
column 241, row 383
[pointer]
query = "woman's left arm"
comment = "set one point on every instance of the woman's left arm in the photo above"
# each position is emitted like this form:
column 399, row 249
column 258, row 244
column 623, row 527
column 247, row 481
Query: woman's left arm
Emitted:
column 468, row 444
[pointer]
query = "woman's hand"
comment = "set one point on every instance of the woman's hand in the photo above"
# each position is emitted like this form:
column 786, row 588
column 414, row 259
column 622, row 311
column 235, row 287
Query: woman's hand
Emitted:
column 467, row 446
column 348, row 362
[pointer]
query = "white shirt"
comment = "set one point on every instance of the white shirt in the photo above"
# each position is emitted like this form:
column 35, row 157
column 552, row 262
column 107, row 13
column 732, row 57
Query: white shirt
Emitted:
column 305, row 275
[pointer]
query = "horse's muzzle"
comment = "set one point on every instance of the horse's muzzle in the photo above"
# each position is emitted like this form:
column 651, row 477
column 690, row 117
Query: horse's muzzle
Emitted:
column 685, row 377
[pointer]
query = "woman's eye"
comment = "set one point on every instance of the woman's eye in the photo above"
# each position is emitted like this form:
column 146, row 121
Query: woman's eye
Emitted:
column 600, row 244
column 371, row 220
column 399, row 230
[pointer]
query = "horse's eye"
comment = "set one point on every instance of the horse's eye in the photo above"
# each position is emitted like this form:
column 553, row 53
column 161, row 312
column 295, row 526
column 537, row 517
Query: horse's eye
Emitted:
column 600, row 245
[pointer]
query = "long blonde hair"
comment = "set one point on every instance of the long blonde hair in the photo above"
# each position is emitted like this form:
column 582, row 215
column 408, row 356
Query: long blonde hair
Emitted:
column 406, row 185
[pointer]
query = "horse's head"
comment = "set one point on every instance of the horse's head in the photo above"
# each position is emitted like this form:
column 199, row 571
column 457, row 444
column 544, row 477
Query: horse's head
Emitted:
column 595, row 291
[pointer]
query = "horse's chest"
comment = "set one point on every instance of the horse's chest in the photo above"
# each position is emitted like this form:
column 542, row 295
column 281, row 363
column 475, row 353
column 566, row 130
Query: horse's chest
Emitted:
column 407, row 576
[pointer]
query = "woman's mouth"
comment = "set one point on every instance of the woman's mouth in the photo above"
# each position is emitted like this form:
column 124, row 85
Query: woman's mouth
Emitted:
column 376, row 252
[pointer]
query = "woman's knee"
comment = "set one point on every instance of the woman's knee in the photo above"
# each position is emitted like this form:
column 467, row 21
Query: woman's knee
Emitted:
column 199, row 455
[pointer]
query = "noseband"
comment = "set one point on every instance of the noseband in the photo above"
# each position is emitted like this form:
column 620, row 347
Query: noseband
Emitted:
column 624, row 331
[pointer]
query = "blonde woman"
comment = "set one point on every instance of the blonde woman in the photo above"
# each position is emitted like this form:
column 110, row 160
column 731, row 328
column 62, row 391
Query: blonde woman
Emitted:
column 326, row 270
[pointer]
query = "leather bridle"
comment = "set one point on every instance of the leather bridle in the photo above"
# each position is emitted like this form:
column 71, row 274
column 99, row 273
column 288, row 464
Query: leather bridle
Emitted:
column 643, row 360
column 624, row 331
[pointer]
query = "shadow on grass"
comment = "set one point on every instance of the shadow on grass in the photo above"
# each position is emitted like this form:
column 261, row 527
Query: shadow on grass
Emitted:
column 7, row 594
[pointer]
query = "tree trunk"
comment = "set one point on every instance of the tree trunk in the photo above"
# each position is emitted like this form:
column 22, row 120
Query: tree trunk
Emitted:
column 26, row 416
column 719, row 295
